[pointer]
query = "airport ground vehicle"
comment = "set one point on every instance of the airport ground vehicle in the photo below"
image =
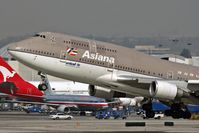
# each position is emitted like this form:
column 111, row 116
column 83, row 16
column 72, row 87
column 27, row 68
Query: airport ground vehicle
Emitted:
column 111, row 113
column 157, row 116
column 61, row 116
column 102, row 114
column 33, row 109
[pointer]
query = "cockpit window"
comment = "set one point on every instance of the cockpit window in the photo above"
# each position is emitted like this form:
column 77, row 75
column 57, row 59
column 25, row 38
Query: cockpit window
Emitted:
column 38, row 35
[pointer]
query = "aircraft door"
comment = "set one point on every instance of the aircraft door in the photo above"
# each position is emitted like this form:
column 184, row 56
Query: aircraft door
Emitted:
column 63, row 55
column 93, row 47
column 170, row 75
column 111, row 69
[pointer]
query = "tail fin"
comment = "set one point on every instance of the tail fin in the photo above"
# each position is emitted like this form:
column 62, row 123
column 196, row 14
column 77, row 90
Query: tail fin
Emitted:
column 7, row 73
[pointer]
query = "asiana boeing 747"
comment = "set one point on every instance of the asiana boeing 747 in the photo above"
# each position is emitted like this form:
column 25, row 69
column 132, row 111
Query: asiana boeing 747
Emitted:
column 114, row 67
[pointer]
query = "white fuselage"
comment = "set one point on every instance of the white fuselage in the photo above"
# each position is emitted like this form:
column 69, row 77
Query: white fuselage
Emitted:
column 85, row 73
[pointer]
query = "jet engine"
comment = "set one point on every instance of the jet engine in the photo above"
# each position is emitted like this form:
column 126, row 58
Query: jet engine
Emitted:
column 63, row 109
column 105, row 93
column 165, row 90
column 100, row 92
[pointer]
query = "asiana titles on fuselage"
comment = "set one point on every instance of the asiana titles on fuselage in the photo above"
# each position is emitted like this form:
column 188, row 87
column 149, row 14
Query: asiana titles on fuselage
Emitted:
column 98, row 57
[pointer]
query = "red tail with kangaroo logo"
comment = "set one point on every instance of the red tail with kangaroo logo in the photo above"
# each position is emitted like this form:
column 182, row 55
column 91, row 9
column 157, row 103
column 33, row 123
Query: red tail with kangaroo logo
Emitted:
column 7, row 73
column 11, row 83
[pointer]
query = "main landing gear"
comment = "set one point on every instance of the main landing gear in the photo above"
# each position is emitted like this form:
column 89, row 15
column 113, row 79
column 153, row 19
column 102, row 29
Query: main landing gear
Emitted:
column 178, row 110
column 148, row 109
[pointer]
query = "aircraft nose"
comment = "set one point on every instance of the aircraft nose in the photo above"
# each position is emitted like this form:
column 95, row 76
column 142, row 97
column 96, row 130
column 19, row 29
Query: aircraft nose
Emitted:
column 13, row 47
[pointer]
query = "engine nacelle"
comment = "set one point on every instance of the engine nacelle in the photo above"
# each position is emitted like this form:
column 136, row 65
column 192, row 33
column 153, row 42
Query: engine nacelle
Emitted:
column 105, row 93
column 100, row 92
column 63, row 109
column 164, row 90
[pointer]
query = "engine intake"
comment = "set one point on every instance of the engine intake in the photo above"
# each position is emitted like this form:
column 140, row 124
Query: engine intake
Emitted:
column 63, row 109
column 100, row 92
column 165, row 90
column 105, row 93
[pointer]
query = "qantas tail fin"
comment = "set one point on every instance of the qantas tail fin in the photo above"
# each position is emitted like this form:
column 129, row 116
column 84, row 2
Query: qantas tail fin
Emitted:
column 7, row 74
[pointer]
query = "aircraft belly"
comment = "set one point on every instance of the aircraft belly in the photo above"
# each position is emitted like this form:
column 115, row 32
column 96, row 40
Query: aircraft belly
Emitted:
column 66, row 69
column 70, row 70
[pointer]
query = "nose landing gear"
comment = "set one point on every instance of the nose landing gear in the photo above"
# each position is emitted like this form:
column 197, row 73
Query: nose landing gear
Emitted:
column 43, row 86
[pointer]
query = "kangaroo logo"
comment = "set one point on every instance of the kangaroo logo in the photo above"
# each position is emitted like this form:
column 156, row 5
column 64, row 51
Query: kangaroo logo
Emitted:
column 6, row 73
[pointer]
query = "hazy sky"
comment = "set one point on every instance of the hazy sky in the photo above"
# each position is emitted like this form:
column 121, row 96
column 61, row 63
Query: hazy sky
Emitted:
column 100, row 17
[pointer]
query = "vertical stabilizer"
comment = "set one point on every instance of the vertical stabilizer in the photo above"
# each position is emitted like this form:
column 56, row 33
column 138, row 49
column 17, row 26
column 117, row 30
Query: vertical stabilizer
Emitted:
column 7, row 74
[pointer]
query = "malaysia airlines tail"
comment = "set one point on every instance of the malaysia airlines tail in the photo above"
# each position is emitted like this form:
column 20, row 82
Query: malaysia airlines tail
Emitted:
column 12, row 83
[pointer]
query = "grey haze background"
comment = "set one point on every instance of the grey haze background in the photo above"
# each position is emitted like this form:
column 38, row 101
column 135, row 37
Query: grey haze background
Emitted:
column 124, row 22
column 143, row 18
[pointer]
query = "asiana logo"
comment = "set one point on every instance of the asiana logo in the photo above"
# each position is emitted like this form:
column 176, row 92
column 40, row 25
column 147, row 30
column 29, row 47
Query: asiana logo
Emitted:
column 98, row 57
column 72, row 51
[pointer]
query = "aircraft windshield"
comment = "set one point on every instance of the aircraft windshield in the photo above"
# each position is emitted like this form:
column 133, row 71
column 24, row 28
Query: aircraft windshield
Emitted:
column 38, row 35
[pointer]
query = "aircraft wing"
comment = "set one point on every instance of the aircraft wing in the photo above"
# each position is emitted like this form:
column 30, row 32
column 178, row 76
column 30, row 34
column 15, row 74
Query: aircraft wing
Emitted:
column 145, row 82
column 130, row 80
column 120, row 80
column 135, row 81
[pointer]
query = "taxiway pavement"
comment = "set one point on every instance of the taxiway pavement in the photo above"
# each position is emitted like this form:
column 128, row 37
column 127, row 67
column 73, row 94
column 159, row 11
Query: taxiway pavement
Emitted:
column 22, row 122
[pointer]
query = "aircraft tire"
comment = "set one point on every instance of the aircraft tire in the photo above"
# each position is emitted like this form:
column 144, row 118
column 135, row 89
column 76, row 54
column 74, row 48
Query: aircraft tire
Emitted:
column 150, row 114
column 168, row 112
column 187, row 115
column 42, row 87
